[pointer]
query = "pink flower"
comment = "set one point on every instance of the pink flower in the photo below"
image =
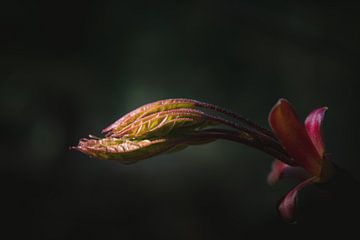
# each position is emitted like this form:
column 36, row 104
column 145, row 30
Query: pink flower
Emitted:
column 304, row 144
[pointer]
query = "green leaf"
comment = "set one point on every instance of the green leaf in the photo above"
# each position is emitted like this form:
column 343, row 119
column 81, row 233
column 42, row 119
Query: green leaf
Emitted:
column 164, row 123
column 143, row 111
column 126, row 151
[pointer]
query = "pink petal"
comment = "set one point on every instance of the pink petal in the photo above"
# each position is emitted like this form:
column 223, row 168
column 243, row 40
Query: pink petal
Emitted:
column 288, row 204
column 282, row 170
column 293, row 137
column 313, row 124
column 277, row 169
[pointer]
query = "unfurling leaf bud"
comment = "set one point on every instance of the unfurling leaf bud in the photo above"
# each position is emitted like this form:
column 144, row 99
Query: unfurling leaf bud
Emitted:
column 171, row 125
column 143, row 111
column 127, row 151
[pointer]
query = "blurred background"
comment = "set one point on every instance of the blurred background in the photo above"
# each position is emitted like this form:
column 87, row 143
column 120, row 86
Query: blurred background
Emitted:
column 70, row 68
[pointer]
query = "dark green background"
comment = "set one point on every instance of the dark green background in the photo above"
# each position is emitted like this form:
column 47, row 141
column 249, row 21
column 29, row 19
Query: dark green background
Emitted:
column 70, row 68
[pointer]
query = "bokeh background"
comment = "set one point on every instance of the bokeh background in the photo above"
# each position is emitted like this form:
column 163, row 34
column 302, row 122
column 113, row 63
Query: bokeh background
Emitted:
column 70, row 68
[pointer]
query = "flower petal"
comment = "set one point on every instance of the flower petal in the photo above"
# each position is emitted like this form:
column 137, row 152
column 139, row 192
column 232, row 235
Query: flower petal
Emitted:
column 288, row 204
column 313, row 124
column 282, row 170
column 276, row 172
column 293, row 137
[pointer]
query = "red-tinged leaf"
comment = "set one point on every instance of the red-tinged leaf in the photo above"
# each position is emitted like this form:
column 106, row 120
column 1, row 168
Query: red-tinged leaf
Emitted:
column 145, row 110
column 130, row 151
column 293, row 137
column 313, row 125
column 124, row 151
column 288, row 204
column 162, row 123
column 176, row 119
column 282, row 170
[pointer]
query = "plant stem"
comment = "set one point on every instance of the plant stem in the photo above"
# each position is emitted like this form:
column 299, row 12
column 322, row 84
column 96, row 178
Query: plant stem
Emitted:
column 249, row 139
column 236, row 116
